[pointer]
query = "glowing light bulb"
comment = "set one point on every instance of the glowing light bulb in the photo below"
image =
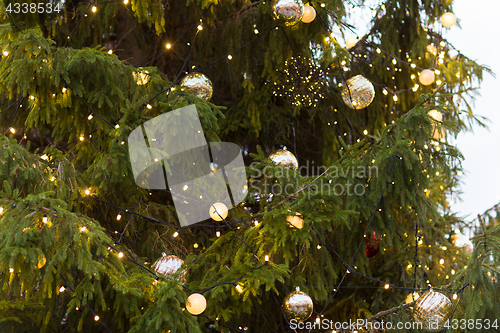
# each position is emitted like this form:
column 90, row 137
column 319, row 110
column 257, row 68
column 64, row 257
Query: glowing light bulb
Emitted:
column 90, row 117
column 266, row 258
column 96, row 318
column 1, row 210
column 62, row 289
column 386, row 286
column 12, row 130
column 350, row 42
column 168, row 46
column 118, row 217
column 87, row 192
column 45, row 219
column 309, row 14
column 110, row 52
column 176, row 234
column 125, row 2
column 11, row 270
column 94, row 9
column 120, row 255
column 238, row 287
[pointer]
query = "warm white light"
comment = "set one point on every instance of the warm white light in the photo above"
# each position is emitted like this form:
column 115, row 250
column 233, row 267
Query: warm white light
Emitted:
column 96, row 318
column 1, row 210
column 12, row 130
column 441, row 261
column 45, row 219
column 196, row 304
column 11, row 270
column 125, row 2
column 200, row 27
column 309, row 14
column 62, row 289
column 238, row 287
column 82, row 138
column 94, row 9
column 386, row 286
column 83, row 229
column 176, row 234
column 448, row 20
column 110, row 52
column 455, row 296
column 5, row 53
column 195, row 245
column 120, row 255
column 230, row 57
column 350, row 42
column 266, row 258
column 217, row 233
column 149, row 106
column 117, row 126
column 87, row 192
column 432, row 49
column 218, row 211
column 118, row 217
column 168, row 46
column 426, row 77
column 90, row 117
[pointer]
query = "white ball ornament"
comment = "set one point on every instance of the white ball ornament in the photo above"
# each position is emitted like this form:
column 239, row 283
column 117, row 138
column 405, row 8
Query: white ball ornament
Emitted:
column 426, row 77
column 196, row 304
column 351, row 42
column 218, row 211
column 436, row 115
column 448, row 20
column 432, row 310
column 309, row 14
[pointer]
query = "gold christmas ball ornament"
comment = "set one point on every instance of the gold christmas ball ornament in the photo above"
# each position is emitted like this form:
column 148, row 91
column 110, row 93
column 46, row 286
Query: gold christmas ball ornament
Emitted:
column 432, row 310
column 288, row 11
column 448, row 20
column 358, row 92
column 309, row 14
column 298, row 305
column 436, row 115
column 199, row 85
column 296, row 221
column 168, row 265
column 141, row 77
column 218, row 211
column 426, row 77
column 350, row 42
column 196, row 304
column 284, row 158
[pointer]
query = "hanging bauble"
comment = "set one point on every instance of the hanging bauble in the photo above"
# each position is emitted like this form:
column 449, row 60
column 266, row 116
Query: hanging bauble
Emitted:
column 169, row 265
column 436, row 115
column 372, row 246
column 196, row 304
column 141, row 77
column 288, row 11
column 432, row 310
column 296, row 221
column 298, row 305
column 426, row 77
column 218, row 211
column 448, row 20
column 358, row 92
column 350, row 42
column 199, row 85
column 284, row 158
column 309, row 14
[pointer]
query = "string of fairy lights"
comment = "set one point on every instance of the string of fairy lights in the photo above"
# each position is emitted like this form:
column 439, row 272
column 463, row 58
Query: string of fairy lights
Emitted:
column 350, row 268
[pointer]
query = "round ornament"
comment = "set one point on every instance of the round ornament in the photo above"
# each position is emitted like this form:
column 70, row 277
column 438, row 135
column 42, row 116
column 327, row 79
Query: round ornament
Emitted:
column 358, row 92
column 296, row 221
column 432, row 310
column 218, row 211
column 196, row 304
column 426, row 77
column 199, row 85
column 448, row 20
column 309, row 14
column 284, row 158
column 350, row 42
column 298, row 305
column 288, row 11
column 372, row 246
column 168, row 265
column 436, row 115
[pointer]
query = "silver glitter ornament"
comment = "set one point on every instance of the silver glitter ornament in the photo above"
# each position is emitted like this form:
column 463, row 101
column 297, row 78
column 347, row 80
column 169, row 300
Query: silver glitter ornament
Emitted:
column 199, row 85
column 284, row 158
column 358, row 92
column 288, row 11
column 298, row 305
column 432, row 310
column 168, row 265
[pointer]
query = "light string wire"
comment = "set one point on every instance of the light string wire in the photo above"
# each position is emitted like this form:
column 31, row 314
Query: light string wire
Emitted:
column 93, row 112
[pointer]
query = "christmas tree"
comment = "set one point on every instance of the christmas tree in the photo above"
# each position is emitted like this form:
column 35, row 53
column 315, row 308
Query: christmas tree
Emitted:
column 120, row 120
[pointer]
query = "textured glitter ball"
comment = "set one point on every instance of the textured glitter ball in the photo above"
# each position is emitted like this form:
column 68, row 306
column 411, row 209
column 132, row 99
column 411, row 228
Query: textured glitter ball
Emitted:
column 284, row 158
column 168, row 265
column 288, row 11
column 298, row 305
column 432, row 310
column 358, row 92
column 199, row 85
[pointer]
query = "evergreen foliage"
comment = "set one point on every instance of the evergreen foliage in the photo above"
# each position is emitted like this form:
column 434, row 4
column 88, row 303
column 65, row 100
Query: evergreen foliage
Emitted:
column 67, row 109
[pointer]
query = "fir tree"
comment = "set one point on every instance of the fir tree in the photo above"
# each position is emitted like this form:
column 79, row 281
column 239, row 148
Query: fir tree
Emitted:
column 78, row 236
